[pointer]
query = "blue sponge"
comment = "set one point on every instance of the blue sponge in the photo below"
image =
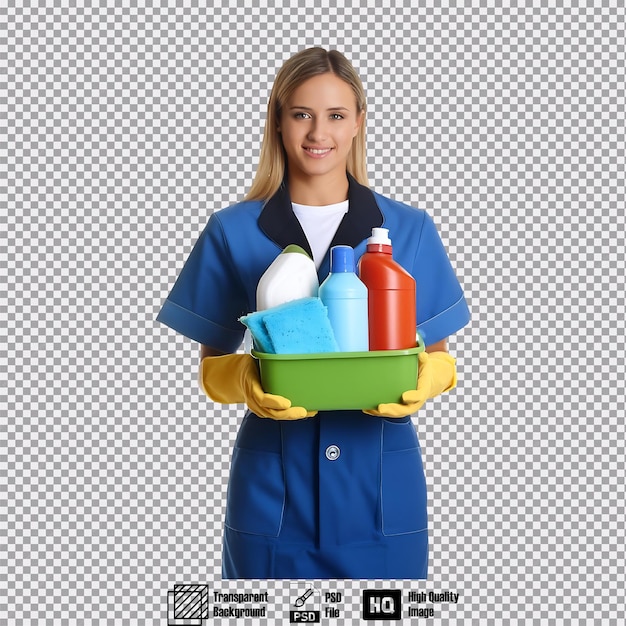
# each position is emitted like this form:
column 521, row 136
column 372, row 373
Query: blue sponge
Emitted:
column 254, row 322
column 297, row 327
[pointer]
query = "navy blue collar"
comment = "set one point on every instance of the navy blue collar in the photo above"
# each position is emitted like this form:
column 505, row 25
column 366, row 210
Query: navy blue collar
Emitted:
column 278, row 221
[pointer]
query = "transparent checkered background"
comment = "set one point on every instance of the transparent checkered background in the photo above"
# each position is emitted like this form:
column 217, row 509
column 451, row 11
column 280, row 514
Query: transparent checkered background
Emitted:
column 126, row 125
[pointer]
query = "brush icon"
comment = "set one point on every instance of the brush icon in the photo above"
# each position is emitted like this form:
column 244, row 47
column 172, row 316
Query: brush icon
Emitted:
column 303, row 598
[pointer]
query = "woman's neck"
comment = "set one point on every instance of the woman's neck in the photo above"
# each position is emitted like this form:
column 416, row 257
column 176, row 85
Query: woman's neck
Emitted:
column 318, row 190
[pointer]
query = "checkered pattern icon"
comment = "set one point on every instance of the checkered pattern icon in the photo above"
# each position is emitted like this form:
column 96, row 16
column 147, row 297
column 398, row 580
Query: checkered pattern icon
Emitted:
column 127, row 124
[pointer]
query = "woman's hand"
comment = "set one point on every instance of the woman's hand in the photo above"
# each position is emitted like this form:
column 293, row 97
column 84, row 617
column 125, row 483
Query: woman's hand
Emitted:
column 436, row 375
column 412, row 400
column 235, row 379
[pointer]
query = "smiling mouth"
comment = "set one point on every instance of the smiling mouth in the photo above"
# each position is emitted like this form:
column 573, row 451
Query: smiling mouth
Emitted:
column 318, row 151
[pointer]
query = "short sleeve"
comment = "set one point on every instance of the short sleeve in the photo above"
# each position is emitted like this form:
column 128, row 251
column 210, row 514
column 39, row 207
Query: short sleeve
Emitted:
column 441, row 306
column 208, row 297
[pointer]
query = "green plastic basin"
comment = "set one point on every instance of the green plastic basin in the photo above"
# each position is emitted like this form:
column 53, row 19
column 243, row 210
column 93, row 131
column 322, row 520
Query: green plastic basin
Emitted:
column 340, row 380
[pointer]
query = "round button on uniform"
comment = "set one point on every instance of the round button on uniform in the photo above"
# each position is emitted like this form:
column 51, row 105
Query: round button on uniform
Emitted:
column 332, row 453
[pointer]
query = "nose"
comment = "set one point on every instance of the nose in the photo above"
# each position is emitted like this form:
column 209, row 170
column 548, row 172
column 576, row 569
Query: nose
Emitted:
column 317, row 130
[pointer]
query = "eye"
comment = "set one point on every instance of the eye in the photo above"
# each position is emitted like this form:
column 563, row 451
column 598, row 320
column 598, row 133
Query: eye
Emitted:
column 336, row 116
column 301, row 116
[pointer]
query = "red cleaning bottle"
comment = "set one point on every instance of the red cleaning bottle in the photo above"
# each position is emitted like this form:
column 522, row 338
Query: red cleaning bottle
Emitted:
column 390, row 296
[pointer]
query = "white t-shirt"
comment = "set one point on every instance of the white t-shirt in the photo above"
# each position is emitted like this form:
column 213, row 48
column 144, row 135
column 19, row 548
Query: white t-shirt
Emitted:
column 320, row 223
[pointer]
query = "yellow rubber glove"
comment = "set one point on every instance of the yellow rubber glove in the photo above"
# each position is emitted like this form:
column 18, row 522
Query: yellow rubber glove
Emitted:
column 235, row 379
column 436, row 375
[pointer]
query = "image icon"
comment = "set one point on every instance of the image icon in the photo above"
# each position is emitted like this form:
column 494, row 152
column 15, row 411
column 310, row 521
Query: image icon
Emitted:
column 188, row 605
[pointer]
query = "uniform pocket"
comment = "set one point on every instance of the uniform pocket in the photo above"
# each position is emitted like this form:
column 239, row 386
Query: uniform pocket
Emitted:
column 403, row 492
column 256, row 492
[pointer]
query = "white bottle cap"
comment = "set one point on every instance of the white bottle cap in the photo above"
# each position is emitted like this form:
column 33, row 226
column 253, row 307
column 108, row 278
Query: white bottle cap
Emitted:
column 380, row 236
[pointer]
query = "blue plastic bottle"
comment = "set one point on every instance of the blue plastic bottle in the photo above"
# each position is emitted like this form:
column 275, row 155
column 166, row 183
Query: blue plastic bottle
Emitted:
column 345, row 297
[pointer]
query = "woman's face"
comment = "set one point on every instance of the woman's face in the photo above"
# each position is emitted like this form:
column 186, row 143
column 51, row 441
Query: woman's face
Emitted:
column 317, row 126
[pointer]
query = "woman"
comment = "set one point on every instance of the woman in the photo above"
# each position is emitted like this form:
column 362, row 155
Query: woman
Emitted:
column 337, row 494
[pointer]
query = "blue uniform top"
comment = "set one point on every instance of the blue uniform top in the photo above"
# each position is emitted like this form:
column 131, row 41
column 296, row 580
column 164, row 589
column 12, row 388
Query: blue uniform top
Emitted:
column 217, row 284
column 341, row 494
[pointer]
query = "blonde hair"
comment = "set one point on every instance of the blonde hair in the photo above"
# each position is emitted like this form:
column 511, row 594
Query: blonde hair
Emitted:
column 295, row 71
